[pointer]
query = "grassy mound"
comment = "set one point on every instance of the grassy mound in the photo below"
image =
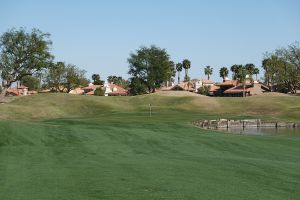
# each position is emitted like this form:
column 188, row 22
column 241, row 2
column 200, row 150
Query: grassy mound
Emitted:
column 49, row 106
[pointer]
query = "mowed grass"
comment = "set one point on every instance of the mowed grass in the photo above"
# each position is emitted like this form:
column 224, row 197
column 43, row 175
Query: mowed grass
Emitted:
column 58, row 146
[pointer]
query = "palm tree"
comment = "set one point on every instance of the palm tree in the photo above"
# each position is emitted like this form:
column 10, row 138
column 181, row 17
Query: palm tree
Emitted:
column 223, row 73
column 256, row 72
column 234, row 69
column 266, row 67
column 208, row 71
column 250, row 68
column 241, row 76
column 179, row 69
column 186, row 64
column 172, row 72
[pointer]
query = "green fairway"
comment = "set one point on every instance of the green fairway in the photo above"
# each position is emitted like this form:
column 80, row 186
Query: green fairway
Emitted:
column 58, row 146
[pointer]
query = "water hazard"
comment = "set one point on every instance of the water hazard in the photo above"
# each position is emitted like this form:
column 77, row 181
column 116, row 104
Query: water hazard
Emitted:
column 261, row 131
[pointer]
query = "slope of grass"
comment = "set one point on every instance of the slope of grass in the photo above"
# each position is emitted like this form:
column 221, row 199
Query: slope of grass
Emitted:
column 46, row 106
column 58, row 146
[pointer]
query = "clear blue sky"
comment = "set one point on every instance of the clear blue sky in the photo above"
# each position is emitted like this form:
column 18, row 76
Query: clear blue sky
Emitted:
column 99, row 35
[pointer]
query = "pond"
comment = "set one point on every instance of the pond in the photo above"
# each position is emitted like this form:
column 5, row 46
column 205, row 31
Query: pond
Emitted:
column 262, row 131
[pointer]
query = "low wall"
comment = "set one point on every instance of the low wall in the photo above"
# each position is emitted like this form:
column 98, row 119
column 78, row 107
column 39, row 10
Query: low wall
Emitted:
column 226, row 123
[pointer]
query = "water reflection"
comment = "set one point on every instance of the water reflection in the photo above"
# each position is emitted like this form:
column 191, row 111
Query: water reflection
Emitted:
column 261, row 131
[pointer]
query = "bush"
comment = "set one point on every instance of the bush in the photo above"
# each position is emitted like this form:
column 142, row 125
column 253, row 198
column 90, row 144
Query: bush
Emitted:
column 99, row 92
column 137, row 87
column 204, row 90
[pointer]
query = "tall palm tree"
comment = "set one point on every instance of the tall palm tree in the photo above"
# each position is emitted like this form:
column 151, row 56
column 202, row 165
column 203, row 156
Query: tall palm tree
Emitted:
column 223, row 73
column 266, row 66
column 250, row 68
column 172, row 72
column 179, row 69
column 234, row 70
column 208, row 71
column 186, row 64
column 256, row 72
column 241, row 76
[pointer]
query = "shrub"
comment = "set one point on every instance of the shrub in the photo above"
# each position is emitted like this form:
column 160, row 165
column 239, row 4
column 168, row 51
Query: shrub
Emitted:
column 99, row 92
column 204, row 90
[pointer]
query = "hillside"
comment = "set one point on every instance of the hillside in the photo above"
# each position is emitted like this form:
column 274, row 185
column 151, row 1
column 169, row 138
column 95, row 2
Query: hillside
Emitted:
column 49, row 106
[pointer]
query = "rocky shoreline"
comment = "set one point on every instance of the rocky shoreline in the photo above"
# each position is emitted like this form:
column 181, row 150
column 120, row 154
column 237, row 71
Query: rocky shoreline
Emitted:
column 245, row 123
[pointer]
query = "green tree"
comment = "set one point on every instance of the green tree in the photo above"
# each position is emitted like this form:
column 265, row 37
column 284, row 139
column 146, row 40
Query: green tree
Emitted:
column 96, row 79
column 22, row 54
column 118, row 80
column 115, row 79
column 266, row 65
column 172, row 72
column 186, row 65
column 32, row 82
column 74, row 77
column 149, row 66
column 234, row 69
column 288, row 76
column 281, row 70
column 55, row 77
column 64, row 78
column 250, row 68
column 179, row 69
column 256, row 72
column 241, row 76
column 137, row 86
column 208, row 71
column 224, row 73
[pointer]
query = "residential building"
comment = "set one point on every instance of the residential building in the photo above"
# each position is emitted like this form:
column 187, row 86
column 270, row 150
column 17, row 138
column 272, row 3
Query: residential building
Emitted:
column 90, row 89
column 19, row 90
column 184, row 86
column 114, row 90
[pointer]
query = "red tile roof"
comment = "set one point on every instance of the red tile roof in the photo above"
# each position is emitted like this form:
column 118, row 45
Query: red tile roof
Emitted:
column 22, row 87
column 207, row 82
column 237, row 89
column 13, row 91
column 214, row 88
column 188, row 86
column 90, row 93
column 17, row 90
column 119, row 90
column 229, row 82
column 93, row 87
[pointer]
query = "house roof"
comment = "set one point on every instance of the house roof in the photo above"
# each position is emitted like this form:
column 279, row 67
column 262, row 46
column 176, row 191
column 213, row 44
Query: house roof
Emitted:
column 207, row 82
column 13, row 91
column 214, row 88
column 119, row 90
column 237, row 89
column 22, row 87
column 77, row 91
column 18, row 90
column 90, row 93
column 93, row 87
column 229, row 82
column 188, row 86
